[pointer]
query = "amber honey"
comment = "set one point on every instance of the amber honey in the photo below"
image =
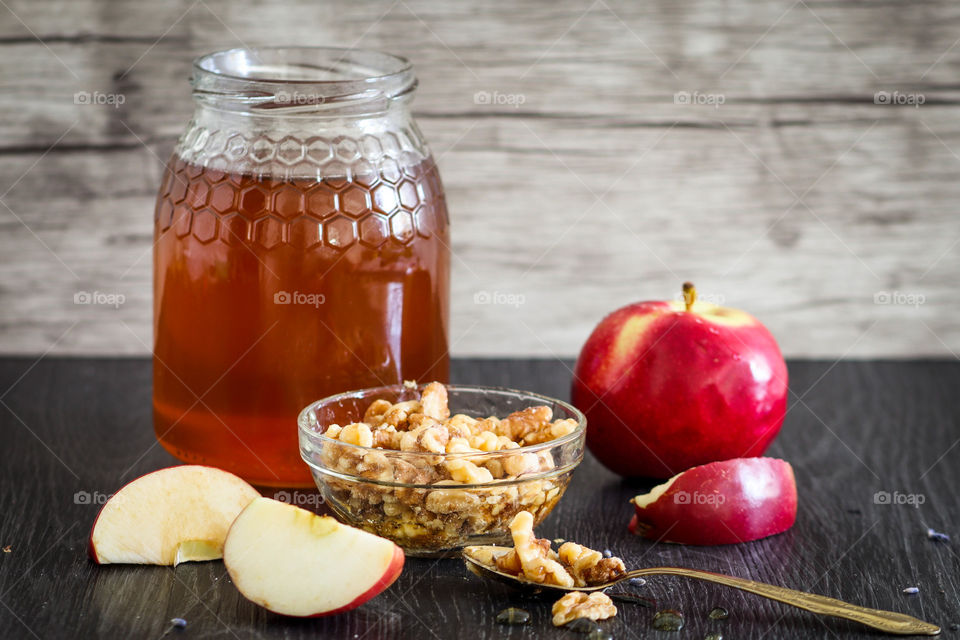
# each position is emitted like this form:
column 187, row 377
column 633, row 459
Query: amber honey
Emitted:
column 271, row 293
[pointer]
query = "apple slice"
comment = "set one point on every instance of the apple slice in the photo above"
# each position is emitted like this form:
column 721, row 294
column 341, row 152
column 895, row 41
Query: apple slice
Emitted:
column 296, row 563
column 169, row 516
column 722, row 502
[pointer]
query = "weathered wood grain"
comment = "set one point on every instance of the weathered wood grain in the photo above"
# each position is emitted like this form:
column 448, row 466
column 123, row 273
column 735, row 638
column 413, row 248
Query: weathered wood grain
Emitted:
column 797, row 198
column 864, row 427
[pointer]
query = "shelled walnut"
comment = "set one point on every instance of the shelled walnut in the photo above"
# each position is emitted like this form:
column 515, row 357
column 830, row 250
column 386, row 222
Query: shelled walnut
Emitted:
column 412, row 472
column 573, row 565
column 577, row 604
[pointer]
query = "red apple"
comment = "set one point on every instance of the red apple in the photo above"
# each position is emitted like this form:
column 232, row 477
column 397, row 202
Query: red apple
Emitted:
column 720, row 503
column 169, row 516
column 296, row 563
column 669, row 385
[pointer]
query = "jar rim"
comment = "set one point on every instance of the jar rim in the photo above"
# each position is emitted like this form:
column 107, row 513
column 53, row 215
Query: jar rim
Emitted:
column 297, row 79
column 299, row 58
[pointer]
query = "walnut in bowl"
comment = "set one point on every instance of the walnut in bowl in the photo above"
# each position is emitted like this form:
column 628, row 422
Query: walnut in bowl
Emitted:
column 398, row 462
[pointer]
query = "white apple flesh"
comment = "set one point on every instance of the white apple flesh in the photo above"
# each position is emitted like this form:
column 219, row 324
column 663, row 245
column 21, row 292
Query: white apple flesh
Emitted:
column 170, row 516
column 296, row 563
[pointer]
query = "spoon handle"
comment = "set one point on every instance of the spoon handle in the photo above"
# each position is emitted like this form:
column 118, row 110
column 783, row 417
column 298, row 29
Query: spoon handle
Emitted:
column 888, row 621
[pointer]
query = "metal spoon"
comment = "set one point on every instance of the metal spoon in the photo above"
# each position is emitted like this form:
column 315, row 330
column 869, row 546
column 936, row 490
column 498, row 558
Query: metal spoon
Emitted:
column 481, row 560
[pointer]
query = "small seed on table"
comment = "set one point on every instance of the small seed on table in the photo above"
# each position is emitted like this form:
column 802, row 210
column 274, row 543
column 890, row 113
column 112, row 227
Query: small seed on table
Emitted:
column 937, row 536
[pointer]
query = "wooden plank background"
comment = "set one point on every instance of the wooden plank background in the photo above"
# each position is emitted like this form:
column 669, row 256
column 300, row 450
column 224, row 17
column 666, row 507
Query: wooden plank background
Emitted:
column 798, row 198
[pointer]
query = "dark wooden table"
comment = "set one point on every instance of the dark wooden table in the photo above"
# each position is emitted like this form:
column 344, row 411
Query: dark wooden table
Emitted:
column 69, row 428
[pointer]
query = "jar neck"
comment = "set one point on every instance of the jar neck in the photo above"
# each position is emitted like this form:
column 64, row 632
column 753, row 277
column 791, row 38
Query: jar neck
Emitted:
column 227, row 116
column 301, row 111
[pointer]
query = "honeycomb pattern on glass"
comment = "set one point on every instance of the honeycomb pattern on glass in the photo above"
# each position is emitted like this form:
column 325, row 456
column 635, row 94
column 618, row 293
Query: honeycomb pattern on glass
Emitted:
column 366, row 191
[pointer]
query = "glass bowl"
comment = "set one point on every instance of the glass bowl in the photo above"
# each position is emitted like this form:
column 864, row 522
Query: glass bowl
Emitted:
column 409, row 496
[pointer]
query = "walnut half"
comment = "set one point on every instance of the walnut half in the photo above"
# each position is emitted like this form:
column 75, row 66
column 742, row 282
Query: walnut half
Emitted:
column 577, row 604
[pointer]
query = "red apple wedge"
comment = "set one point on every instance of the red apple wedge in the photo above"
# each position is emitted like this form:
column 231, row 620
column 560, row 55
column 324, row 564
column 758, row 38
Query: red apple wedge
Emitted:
column 722, row 502
column 296, row 563
column 169, row 516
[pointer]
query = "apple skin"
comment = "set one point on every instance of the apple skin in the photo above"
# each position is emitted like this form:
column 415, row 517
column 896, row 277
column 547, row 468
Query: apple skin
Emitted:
column 285, row 559
column 665, row 389
column 724, row 502
column 91, row 551
column 396, row 568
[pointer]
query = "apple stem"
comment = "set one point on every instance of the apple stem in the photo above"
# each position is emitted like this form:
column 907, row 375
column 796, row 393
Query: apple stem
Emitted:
column 689, row 294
